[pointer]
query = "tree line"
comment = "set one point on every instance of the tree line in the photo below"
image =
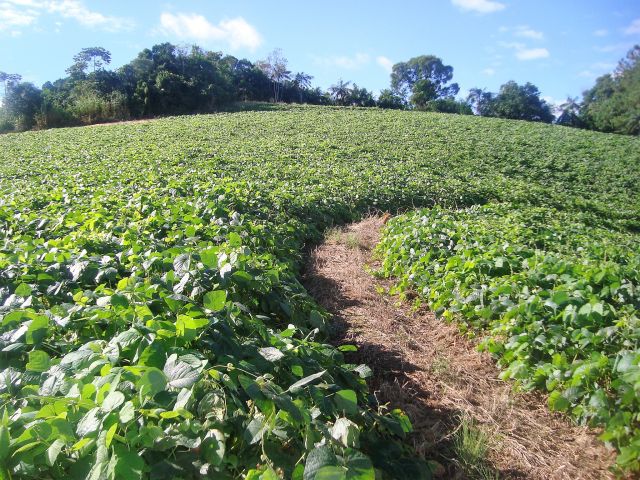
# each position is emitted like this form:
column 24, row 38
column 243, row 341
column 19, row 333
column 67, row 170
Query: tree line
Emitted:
column 171, row 80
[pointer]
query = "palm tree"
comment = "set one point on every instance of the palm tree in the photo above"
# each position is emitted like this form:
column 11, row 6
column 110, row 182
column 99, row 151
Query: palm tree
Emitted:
column 570, row 113
column 301, row 82
column 340, row 92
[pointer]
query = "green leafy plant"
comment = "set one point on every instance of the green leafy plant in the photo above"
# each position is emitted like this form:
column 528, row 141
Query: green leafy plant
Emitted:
column 557, row 299
column 151, row 319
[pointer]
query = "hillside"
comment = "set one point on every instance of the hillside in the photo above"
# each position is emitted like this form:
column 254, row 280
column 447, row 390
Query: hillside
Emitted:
column 149, row 279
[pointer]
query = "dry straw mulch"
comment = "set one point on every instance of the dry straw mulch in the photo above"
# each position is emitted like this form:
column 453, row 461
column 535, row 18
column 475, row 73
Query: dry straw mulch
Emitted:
column 426, row 367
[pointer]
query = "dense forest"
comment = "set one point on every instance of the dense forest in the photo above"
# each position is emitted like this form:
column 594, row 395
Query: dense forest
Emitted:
column 171, row 80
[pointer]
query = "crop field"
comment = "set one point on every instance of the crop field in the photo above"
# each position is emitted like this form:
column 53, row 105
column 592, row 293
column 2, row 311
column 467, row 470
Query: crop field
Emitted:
column 152, row 320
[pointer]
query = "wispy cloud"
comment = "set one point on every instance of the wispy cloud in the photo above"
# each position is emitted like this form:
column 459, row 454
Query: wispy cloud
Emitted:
column 479, row 6
column 348, row 62
column 633, row 28
column 524, row 53
column 532, row 53
column 76, row 10
column 235, row 32
column 13, row 17
column 489, row 72
column 614, row 47
column 597, row 69
column 602, row 32
column 525, row 31
column 385, row 63
column 16, row 14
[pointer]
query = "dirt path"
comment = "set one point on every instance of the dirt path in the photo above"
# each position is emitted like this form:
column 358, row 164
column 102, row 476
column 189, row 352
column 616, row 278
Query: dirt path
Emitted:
column 464, row 416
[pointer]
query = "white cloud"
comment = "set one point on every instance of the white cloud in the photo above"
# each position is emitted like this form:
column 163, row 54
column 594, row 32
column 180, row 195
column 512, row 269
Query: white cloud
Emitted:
column 587, row 74
column 236, row 32
column 480, row 6
column 513, row 45
column 603, row 32
column 385, row 63
column 76, row 10
column 597, row 69
column 23, row 13
column 489, row 72
column 527, row 32
column 532, row 53
column 344, row 61
column 633, row 28
column 12, row 16
column 524, row 53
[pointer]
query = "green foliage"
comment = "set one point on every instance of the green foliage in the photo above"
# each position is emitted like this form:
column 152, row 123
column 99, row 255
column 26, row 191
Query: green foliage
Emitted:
column 423, row 79
column 517, row 102
column 448, row 105
column 120, row 357
column 613, row 103
column 388, row 99
column 22, row 102
column 557, row 296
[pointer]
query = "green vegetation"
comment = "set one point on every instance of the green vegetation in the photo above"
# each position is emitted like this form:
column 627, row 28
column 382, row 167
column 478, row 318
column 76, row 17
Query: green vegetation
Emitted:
column 152, row 322
column 168, row 80
column 557, row 294
column 471, row 444
column 613, row 103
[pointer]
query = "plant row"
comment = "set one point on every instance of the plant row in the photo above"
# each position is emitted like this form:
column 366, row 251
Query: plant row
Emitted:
column 556, row 301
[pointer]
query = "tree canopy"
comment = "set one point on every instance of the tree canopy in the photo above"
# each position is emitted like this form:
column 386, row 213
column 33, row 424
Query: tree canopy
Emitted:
column 613, row 103
column 169, row 79
column 423, row 79
column 517, row 102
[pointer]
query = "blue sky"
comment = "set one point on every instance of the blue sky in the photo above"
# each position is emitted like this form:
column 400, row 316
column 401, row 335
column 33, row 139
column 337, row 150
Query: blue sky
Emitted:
column 559, row 45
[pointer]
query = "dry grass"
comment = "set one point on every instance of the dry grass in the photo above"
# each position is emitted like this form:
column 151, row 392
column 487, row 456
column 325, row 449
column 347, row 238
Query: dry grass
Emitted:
column 451, row 391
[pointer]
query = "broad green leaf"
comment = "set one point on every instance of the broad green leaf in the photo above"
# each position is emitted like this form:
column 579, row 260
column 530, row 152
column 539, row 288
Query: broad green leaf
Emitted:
column 359, row 466
column 317, row 459
column 54, row 450
column 558, row 402
column 4, row 443
column 127, row 412
column 23, row 290
column 39, row 361
column 180, row 374
column 89, row 423
column 125, row 464
column 215, row 300
column 152, row 382
column 331, row 473
column 300, row 384
column 118, row 300
column 37, row 330
column 347, row 401
column 112, row 401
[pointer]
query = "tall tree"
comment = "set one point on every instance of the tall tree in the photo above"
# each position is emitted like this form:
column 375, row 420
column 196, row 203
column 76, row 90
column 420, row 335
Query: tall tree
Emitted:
column 23, row 101
column 422, row 79
column 570, row 113
column 613, row 103
column 275, row 67
column 518, row 102
column 302, row 82
column 97, row 57
column 481, row 101
column 389, row 99
column 9, row 79
column 340, row 92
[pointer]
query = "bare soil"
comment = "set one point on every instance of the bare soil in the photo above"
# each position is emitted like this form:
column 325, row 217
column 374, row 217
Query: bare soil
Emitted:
column 436, row 375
